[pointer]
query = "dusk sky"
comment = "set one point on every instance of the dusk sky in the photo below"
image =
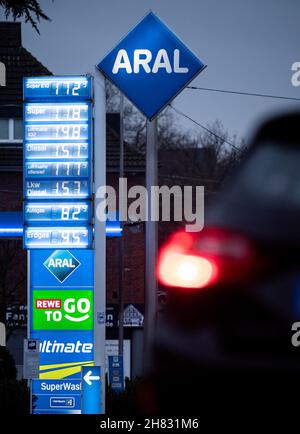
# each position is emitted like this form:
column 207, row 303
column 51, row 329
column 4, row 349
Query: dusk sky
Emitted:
column 248, row 46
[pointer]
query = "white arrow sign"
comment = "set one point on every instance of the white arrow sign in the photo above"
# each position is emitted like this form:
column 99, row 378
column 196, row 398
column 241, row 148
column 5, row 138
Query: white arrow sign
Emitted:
column 88, row 378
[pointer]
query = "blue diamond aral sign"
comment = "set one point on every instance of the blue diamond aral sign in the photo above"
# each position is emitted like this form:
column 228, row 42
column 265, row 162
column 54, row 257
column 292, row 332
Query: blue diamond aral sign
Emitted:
column 61, row 263
column 151, row 65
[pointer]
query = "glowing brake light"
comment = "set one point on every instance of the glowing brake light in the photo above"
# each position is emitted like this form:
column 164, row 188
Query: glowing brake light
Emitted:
column 200, row 260
column 185, row 271
column 178, row 268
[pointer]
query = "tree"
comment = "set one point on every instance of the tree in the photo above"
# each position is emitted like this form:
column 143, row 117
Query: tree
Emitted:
column 170, row 131
column 187, row 157
column 173, row 134
column 29, row 9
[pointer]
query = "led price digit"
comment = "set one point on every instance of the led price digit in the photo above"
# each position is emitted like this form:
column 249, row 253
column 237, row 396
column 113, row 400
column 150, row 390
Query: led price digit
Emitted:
column 75, row 213
column 77, row 149
column 73, row 113
column 66, row 166
column 65, row 188
column 64, row 149
column 69, row 188
column 68, row 88
column 70, row 237
column 68, row 131
column 70, row 113
column 76, row 169
column 66, row 215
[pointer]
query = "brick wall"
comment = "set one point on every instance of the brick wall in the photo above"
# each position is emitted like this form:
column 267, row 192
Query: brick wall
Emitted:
column 134, row 260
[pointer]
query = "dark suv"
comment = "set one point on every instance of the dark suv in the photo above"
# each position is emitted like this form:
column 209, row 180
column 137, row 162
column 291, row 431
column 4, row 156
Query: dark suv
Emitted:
column 226, row 341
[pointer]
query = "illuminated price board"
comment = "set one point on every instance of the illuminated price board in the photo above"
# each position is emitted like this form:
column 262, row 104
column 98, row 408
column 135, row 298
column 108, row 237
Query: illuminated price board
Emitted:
column 57, row 88
column 49, row 112
column 57, row 190
column 78, row 169
column 57, row 132
column 55, row 237
column 58, row 228
column 43, row 212
column 57, row 162
column 66, row 151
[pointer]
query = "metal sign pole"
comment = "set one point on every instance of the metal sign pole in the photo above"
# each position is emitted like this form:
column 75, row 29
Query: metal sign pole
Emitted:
column 151, row 246
column 99, row 233
column 121, row 239
column 150, row 93
column 29, row 381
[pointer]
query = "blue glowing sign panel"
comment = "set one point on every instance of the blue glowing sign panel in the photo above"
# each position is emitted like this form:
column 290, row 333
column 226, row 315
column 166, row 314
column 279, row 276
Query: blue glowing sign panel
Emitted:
column 64, row 211
column 35, row 112
column 57, row 216
column 41, row 272
column 116, row 373
column 91, row 390
column 57, row 189
column 57, row 132
column 47, row 169
column 65, row 151
column 62, row 351
column 57, row 161
column 57, row 88
column 53, row 237
column 56, row 396
column 151, row 65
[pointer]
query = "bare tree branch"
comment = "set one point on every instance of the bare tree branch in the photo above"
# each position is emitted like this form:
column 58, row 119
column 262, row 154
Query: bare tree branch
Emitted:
column 29, row 9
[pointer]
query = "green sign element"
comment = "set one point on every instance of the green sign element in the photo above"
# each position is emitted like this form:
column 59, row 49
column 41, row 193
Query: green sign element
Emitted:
column 62, row 310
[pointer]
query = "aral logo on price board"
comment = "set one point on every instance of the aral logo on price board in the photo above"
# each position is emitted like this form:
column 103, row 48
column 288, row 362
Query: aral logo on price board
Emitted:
column 61, row 264
column 62, row 310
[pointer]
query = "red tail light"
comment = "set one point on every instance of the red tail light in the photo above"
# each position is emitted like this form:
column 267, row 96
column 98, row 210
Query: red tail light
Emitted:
column 200, row 260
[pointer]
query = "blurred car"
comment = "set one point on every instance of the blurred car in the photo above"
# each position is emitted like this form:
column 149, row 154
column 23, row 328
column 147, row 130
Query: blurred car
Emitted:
column 223, row 341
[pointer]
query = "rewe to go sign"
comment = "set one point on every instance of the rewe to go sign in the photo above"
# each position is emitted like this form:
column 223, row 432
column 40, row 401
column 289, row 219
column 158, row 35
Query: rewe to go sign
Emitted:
column 151, row 65
column 63, row 309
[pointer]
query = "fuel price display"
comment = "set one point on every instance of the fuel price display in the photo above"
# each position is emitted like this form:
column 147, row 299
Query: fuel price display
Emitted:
column 54, row 237
column 62, row 189
column 58, row 88
column 49, row 112
column 77, row 169
column 57, row 161
column 57, row 132
column 66, row 151
column 43, row 212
